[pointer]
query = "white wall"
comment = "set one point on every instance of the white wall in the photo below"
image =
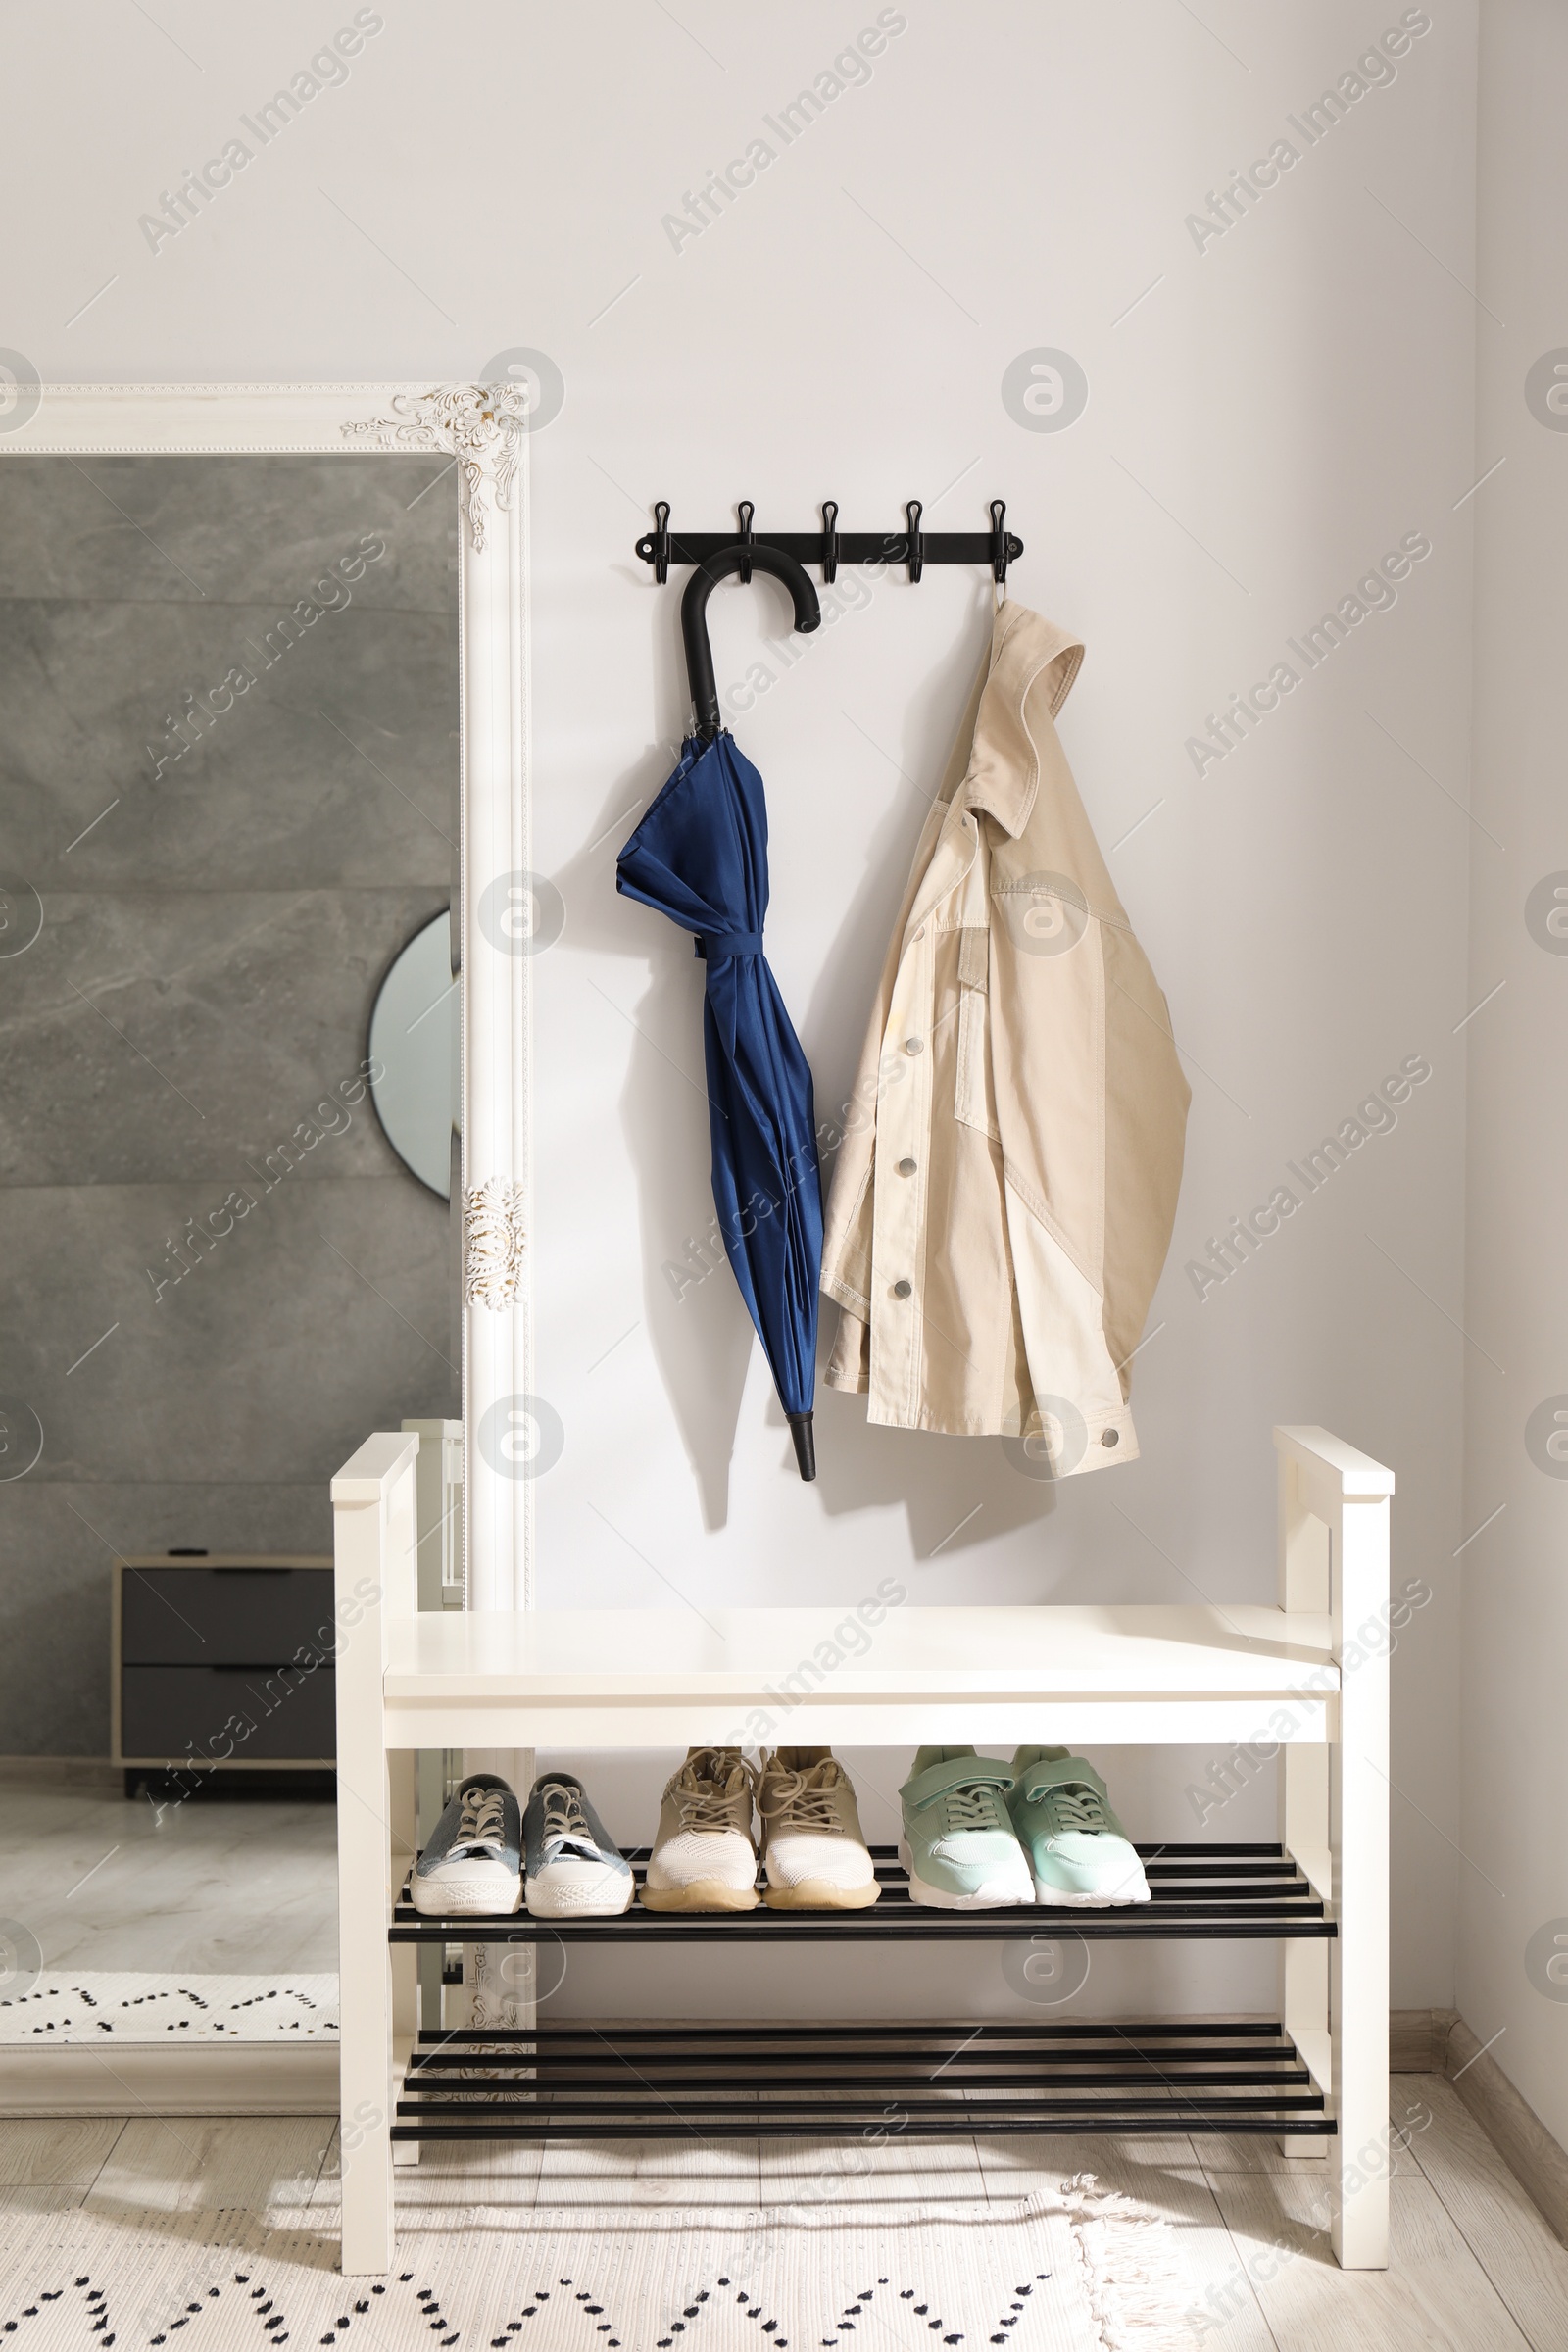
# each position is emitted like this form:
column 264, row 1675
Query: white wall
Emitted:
column 1266, row 416
column 1513, row 1882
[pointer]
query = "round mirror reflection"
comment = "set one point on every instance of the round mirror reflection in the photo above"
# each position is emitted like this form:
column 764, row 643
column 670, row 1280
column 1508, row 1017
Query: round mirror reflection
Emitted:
column 414, row 1049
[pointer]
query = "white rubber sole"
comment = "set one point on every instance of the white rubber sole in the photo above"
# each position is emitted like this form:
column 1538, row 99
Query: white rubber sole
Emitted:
column 1058, row 1896
column 996, row 1895
column 822, row 1895
column 703, row 1894
column 545, row 1902
column 436, row 1902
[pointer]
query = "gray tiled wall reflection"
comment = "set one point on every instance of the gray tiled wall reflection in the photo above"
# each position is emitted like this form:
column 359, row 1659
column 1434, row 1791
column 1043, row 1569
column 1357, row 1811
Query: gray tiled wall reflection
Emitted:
column 229, row 714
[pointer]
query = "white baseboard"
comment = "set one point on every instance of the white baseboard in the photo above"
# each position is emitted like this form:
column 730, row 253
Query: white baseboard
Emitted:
column 1418, row 2039
column 1438, row 2041
column 150, row 2079
column 1511, row 2124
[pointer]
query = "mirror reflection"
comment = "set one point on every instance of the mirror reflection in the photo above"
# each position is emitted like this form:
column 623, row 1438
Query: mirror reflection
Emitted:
column 413, row 1055
column 229, row 783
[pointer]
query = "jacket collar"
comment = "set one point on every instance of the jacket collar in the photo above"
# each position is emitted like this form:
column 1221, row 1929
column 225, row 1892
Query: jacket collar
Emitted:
column 1032, row 665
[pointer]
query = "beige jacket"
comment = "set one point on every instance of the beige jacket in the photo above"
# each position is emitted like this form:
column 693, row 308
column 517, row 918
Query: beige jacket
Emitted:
column 1005, row 1188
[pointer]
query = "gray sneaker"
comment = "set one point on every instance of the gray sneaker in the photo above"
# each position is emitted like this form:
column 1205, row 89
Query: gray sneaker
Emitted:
column 471, row 1863
column 575, row 1870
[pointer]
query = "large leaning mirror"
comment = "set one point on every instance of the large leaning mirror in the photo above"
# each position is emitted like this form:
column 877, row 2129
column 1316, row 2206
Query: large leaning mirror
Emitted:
column 228, row 773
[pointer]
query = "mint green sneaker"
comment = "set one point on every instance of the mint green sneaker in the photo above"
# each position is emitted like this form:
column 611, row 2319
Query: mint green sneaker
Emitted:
column 1078, row 1852
column 958, row 1844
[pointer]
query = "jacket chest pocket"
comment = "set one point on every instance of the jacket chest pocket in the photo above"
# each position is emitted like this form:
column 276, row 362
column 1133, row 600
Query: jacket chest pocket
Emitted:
column 974, row 1094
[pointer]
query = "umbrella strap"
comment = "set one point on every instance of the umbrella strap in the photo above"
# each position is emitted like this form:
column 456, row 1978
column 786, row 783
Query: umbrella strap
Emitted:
column 713, row 945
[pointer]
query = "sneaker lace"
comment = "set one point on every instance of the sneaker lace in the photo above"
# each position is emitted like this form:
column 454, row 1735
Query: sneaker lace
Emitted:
column 803, row 1801
column 484, row 1819
column 978, row 1806
column 564, row 1817
column 1078, row 1806
column 708, row 1791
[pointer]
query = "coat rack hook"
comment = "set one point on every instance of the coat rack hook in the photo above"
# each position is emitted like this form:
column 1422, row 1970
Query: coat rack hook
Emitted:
column 916, row 543
column 996, row 547
column 1000, row 549
column 708, row 719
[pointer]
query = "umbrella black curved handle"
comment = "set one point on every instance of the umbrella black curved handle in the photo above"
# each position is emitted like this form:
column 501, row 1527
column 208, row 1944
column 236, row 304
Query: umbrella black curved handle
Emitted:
column 694, row 616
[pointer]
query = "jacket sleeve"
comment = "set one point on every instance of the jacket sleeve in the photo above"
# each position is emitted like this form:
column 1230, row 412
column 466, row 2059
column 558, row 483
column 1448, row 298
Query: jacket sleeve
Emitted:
column 1092, row 1109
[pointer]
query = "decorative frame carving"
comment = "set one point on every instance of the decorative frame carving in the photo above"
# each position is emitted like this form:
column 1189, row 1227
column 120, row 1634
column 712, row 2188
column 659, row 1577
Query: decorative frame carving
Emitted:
column 482, row 424
column 494, row 1239
column 485, row 429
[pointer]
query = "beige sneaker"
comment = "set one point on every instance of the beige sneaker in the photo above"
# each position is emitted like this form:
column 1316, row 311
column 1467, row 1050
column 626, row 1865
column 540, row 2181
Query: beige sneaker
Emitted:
column 704, row 1858
column 816, row 1857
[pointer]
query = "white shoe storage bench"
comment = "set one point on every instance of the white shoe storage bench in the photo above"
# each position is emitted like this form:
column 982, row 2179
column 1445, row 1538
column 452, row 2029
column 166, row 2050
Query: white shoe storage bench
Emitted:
column 1084, row 1677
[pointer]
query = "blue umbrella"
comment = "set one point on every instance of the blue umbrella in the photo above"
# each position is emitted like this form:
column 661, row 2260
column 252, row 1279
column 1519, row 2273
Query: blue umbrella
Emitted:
column 700, row 855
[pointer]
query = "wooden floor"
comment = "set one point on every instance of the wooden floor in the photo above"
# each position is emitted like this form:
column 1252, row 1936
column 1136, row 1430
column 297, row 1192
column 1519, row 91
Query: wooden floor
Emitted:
column 215, row 1885
column 1474, row 2268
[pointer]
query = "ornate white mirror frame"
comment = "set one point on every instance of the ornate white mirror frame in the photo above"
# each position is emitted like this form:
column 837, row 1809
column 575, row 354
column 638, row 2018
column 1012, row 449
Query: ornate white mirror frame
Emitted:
column 485, row 430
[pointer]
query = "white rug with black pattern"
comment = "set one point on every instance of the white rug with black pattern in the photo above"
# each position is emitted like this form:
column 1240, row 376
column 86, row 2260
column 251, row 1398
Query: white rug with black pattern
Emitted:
column 84, row 2004
column 1082, row 2273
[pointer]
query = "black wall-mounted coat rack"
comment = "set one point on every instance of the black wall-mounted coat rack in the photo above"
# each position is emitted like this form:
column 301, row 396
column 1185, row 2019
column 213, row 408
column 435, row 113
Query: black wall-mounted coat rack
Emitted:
column 830, row 547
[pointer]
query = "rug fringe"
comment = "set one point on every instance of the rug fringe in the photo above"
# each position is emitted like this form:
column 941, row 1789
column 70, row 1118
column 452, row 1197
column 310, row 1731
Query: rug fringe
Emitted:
column 1130, row 2267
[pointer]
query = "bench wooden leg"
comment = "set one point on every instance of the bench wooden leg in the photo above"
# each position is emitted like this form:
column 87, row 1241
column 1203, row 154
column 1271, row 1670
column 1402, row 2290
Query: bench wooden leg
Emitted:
column 1358, row 2184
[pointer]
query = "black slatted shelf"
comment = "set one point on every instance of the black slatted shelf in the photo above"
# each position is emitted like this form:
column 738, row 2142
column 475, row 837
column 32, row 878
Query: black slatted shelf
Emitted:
column 913, row 2080
column 1229, row 1891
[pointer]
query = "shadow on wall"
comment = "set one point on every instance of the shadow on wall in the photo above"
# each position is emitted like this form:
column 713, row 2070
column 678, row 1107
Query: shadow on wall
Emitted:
column 955, row 1491
column 698, row 1327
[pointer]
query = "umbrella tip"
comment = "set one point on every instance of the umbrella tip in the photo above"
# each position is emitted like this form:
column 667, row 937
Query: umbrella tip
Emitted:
column 805, row 1444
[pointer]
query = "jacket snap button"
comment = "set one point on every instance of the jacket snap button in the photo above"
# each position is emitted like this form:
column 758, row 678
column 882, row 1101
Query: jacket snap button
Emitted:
column 906, row 1167
column 1110, row 1437
column 902, row 1290
column 913, row 1045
